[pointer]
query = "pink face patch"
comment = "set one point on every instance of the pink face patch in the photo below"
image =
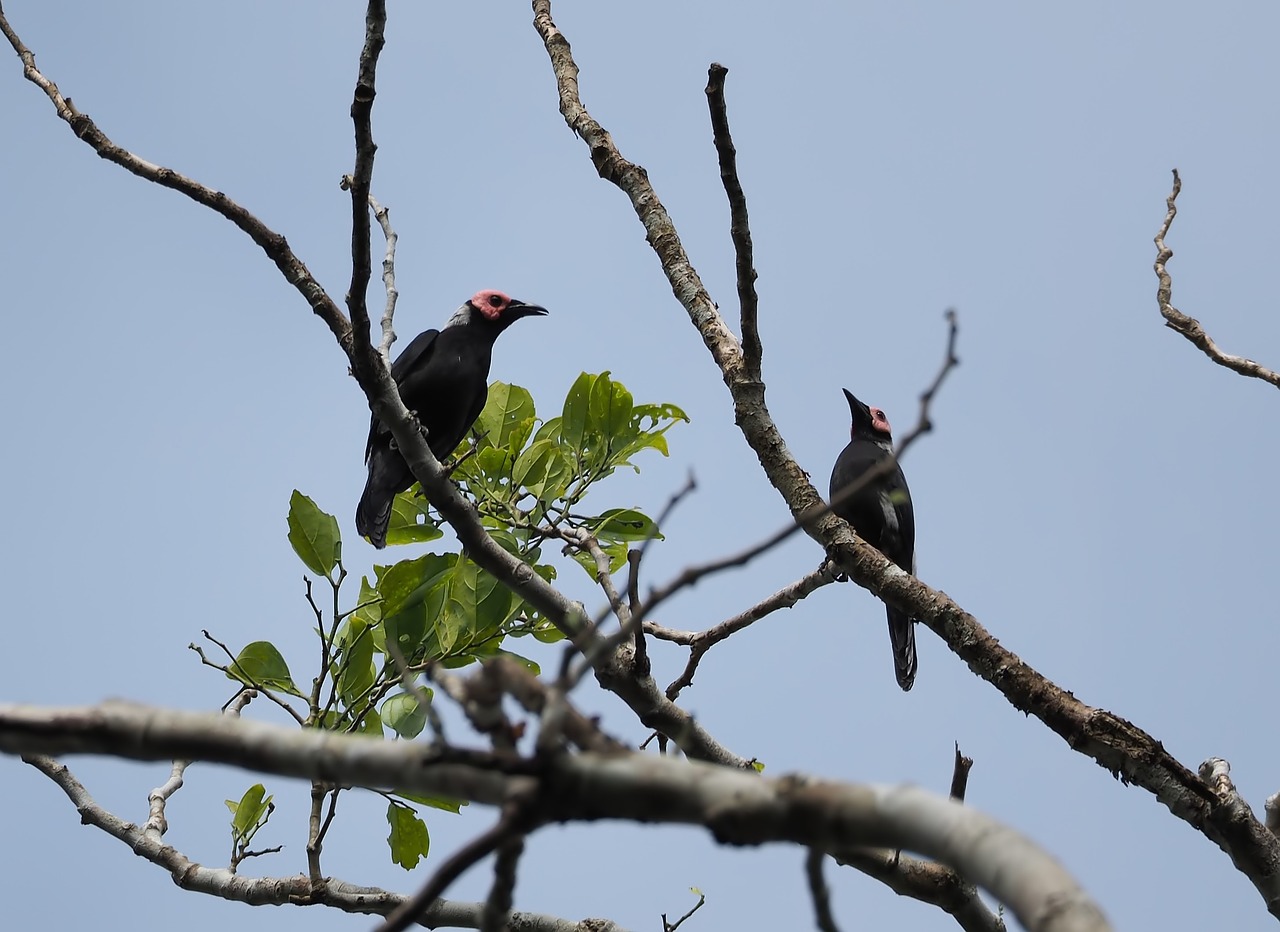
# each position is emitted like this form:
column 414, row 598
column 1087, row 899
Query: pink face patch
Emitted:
column 879, row 422
column 490, row 303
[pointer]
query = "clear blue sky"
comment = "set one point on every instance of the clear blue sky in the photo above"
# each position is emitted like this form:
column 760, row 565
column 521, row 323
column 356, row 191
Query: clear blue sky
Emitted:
column 1098, row 493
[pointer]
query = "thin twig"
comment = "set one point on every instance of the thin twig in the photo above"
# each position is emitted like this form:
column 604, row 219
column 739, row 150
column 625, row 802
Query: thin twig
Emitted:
column 672, row 926
column 241, row 676
column 739, row 227
column 641, row 648
column 383, row 216
column 497, row 907
column 1189, row 327
column 818, row 891
column 375, row 24
column 960, row 775
column 703, row 641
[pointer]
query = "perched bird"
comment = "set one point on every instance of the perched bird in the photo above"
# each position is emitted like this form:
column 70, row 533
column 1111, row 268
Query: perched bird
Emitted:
column 443, row 377
column 881, row 513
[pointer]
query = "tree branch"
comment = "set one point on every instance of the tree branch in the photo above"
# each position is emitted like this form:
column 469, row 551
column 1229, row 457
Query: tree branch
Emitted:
column 818, row 891
column 1120, row 747
column 703, row 641
column 273, row 244
column 1189, row 327
column 739, row 226
column 292, row 890
column 738, row 808
column 362, row 176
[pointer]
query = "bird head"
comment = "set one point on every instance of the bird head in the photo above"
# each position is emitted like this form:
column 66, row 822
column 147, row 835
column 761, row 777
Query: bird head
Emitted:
column 868, row 423
column 494, row 307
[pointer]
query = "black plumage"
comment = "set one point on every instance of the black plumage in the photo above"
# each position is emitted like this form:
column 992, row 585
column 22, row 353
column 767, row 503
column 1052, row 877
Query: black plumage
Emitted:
column 443, row 377
column 882, row 515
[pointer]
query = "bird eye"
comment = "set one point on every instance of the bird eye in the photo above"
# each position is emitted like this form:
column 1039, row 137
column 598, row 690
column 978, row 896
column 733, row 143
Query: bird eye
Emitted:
column 495, row 300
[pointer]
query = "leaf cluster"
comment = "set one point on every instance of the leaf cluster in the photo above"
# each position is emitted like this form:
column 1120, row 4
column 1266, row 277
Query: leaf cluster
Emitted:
column 528, row 479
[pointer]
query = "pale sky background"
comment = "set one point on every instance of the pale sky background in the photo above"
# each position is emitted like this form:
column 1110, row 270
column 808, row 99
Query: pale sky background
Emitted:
column 1097, row 493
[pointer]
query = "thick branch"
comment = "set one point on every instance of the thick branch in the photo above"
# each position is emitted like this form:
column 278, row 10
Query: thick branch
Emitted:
column 737, row 808
column 1120, row 747
column 1189, row 327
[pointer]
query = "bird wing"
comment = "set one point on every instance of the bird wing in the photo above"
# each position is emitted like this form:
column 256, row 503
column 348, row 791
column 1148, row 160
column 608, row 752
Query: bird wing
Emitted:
column 900, row 542
column 414, row 355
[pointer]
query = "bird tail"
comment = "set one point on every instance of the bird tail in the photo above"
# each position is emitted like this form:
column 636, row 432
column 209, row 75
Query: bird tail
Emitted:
column 388, row 475
column 373, row 514
column 902, row 637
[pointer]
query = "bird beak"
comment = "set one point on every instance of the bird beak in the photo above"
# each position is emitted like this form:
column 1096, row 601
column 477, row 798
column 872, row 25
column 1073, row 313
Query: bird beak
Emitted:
column 854, row 404
column 527, row 310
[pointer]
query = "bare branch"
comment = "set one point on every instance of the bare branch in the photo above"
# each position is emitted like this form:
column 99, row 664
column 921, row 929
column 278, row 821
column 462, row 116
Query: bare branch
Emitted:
column 818, row 891
column 1114, row 743
column 383, row 216
column 273, row 244
column 498, row 905
column 157, row 800
column 375, row 24
column 739, row 226
column 1189, row 327
column 294, row 889
column 668, row 926
column 927, row 882
column 703, row 641
column 960, row 775
column 737, row 807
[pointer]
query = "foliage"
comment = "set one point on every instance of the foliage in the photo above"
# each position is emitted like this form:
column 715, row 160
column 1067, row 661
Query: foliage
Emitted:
column 528, row 480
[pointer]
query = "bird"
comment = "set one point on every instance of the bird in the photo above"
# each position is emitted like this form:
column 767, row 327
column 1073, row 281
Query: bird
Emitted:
column 443, row 378
column 881, row 514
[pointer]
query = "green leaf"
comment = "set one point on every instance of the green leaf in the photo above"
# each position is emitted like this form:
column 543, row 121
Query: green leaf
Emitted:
column 404, row 714
column 261, row 664
column 411, row 521
column 409, row 841
column 369, row 602
column 249, row 813
column 543, row 470
column 435, row 802
column 617, row 558
column 313, row 534
column 469, row 605
column 577, row 410
column 413, row 592
column 507, row 418
column 611, row 405
column 355, row 664
column 624, row 524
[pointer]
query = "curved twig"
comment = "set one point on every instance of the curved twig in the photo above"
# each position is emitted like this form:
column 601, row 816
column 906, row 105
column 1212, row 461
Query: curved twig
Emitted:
column 1189, row 327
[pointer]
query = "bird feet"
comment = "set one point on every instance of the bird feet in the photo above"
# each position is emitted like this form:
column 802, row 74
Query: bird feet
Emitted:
column 416, row 423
